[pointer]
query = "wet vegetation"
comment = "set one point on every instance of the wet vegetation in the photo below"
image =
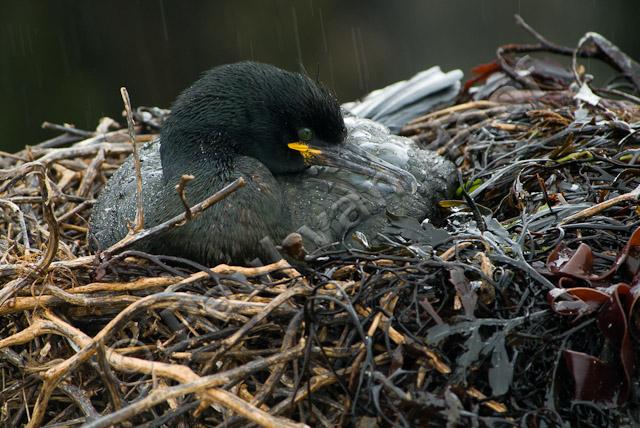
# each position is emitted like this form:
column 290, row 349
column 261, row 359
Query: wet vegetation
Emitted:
column 517, row 310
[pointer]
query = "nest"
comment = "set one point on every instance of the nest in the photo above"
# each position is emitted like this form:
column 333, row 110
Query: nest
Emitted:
column 520, row 310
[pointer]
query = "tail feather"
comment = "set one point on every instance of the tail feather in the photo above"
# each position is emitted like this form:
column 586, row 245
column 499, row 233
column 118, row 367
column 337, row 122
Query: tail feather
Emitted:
column 398, row 103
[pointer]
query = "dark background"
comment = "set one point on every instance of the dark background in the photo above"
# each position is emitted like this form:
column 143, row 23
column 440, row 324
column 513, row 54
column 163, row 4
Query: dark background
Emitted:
column 64, row 61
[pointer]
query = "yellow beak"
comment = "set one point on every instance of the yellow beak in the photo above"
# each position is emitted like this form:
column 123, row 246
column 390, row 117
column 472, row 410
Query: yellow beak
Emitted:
column 305, row 150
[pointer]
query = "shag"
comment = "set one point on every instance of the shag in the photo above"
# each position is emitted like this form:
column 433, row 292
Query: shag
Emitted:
column 310, row 166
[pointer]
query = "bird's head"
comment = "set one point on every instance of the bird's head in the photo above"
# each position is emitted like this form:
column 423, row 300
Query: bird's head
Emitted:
column 283, row 119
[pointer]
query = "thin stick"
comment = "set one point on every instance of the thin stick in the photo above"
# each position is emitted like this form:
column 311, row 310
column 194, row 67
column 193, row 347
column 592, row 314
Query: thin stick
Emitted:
column 90, row 174
column 633, row 195
column 180, row 187
column 139, row 223
column 540, row 38
column 23, row 225
column 68, row 129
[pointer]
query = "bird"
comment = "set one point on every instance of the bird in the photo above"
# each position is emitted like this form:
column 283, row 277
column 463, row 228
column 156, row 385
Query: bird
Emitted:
column 310, row 165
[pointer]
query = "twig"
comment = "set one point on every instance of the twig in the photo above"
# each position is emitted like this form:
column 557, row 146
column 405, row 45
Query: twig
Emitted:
column 543, row 41
column 90, row 174
column 54, row 155
column 180, row 187
column 68, row 129
column 472, row 105
column 139, row 221
column 634, row 195
column 75, row 210
column 23, row 225
column 108, row 378
column 59, row 141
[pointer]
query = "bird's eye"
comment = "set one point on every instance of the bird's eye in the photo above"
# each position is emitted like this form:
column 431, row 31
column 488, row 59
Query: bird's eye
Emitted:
column 305, row 134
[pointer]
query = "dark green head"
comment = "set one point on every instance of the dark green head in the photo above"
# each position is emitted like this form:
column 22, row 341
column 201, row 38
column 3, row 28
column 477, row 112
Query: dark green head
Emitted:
column 248, row 109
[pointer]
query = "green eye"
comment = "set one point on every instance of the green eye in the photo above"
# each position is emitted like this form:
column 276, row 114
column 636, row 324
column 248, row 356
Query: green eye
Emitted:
column 305, row 134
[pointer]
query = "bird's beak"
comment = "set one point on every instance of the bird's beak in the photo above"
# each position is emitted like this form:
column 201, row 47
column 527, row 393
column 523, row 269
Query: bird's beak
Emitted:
column 305, row 150
column 353, row 158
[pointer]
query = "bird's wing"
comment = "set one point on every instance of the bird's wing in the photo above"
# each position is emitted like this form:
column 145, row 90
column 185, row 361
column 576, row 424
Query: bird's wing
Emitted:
column 328, row 204
column 400, row 102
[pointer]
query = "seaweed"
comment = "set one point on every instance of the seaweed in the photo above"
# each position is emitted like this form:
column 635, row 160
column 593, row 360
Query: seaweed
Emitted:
column 519, row 311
